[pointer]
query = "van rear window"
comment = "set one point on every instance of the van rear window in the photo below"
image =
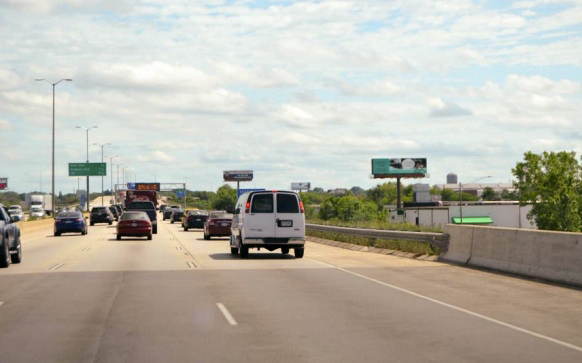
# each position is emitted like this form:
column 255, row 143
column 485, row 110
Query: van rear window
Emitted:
column 287, row 203
column 262, row 203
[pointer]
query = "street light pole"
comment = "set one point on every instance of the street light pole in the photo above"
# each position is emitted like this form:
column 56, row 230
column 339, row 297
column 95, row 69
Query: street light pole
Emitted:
column 111, row 163
column 87, row 129
column 53, row 151
column 461, row 195
column 102, row 192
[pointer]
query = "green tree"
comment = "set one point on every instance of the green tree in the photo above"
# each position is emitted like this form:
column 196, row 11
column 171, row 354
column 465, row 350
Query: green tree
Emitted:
column 225, row 198
column 328, row 209
column 551, row 182
column 9, row 198
column 489, row 194
column 383, row 194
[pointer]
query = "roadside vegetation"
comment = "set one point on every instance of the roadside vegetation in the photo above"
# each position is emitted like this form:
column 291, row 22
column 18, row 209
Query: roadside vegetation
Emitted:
column 419, row 248
column 552, row 183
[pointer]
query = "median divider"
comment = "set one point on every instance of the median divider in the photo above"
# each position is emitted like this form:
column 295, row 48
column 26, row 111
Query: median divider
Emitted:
column 549, row 255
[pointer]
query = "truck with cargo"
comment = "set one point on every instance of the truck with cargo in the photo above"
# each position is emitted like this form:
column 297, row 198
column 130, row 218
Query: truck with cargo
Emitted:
column 141, row 196
column 44, row 201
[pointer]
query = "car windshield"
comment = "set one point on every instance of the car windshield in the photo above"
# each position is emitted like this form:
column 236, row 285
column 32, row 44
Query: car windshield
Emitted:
column 69, row 215
column 198, row 213
column 220, row 216
column 135, row 216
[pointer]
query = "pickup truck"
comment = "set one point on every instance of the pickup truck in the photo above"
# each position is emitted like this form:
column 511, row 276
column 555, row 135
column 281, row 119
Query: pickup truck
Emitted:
column 147, row 207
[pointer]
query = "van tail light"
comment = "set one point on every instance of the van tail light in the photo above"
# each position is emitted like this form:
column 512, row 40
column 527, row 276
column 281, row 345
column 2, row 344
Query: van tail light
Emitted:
column 301, row 208
column 248, row 207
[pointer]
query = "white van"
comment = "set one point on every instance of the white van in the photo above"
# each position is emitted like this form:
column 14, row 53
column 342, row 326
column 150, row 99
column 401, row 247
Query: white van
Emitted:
column 270, row 220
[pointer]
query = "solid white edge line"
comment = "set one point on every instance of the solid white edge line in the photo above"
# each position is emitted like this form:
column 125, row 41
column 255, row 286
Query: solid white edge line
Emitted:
column 226, row 314
column 507, row 325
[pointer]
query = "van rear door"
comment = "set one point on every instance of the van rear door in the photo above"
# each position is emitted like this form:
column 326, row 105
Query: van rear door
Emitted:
column 289, row 221
column 260, row 222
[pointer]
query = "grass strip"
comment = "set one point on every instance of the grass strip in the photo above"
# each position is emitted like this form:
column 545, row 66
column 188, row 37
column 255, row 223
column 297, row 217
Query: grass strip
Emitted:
column 422, row 248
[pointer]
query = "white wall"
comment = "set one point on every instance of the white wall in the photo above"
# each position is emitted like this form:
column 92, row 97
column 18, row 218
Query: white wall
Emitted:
column 506, row 215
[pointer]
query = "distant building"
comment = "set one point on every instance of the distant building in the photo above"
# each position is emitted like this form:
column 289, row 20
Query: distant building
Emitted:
column 477, row 188
column 452, row 178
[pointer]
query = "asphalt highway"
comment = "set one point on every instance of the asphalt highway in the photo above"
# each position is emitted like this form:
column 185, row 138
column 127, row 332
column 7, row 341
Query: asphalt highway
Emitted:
column 179, row 298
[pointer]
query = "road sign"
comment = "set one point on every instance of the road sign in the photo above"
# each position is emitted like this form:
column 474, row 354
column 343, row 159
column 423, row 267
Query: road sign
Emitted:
column 130, row 185
column 83, row 200
column 237, row 175
column 87, row 169
column 180, row 193
column 242, row 191
column 3, row 183
column 147, row 186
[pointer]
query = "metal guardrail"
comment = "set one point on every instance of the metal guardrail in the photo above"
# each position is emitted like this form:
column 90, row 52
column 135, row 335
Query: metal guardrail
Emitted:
column 440, row 240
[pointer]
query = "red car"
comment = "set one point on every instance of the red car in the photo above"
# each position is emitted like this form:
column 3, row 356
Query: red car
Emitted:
column 217, row 224
column 133, row 223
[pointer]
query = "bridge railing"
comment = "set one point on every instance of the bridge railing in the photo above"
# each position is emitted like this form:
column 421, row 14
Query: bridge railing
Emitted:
column 440, row 240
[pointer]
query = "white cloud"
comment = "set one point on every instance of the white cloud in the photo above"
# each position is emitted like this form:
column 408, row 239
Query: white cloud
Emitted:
column 440, row 108
column 5, row 125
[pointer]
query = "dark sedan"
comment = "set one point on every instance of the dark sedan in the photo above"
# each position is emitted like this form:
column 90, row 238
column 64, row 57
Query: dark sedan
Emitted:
column 195, row 219
column 115, row 212
column 101, row 215
column 217, row 224
column 10, row 249
column 135, row 224
column 70, row 222
column 168, row 213
column 176, row 215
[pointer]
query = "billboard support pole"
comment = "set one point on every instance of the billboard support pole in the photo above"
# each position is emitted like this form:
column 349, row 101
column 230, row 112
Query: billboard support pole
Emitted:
column 237, row 187
column 398, row 201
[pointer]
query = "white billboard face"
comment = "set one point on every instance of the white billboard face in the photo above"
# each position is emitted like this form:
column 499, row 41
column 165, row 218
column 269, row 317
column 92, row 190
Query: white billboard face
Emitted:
column 300, row 186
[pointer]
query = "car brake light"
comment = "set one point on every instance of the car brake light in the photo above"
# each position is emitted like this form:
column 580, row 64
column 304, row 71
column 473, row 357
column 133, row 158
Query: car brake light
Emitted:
column 248, row 207
column 301, row 207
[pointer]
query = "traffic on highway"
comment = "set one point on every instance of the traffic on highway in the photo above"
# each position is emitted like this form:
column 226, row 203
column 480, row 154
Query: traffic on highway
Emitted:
column 118, row 292
column 291, row 181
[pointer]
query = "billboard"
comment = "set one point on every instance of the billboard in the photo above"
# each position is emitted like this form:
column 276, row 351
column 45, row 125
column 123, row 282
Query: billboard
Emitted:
column 3, row 183
column 237, row 175
column 300, row 186
column 87, row 169
column 399, row 167
column 242, row 191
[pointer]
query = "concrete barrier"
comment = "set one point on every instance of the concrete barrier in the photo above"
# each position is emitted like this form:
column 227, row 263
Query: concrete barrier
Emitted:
column 554, row 256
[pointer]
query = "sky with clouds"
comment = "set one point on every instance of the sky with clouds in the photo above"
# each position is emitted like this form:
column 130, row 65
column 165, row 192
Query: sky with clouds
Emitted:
column 298, row 91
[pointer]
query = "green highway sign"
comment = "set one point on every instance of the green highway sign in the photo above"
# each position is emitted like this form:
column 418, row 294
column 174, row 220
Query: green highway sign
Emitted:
column 87, row 169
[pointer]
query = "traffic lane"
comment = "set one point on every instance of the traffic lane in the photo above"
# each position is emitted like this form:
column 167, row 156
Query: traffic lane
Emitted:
column 215, row 253
column 48, row 250
column 550, row 310
column 540, row 307
column 161, row 316
column 331, row 316
column 163, row 252
column 284, row 315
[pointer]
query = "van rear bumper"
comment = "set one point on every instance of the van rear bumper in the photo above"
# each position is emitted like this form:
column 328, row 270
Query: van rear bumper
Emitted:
column 274, row 242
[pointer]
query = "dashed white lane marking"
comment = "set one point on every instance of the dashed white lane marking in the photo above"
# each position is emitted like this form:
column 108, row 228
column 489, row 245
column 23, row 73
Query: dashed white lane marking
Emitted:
column 86, row 249
column 226, row 314
column 57, row 266
column 1, row 303
column 507, row 325
column 191, row 264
